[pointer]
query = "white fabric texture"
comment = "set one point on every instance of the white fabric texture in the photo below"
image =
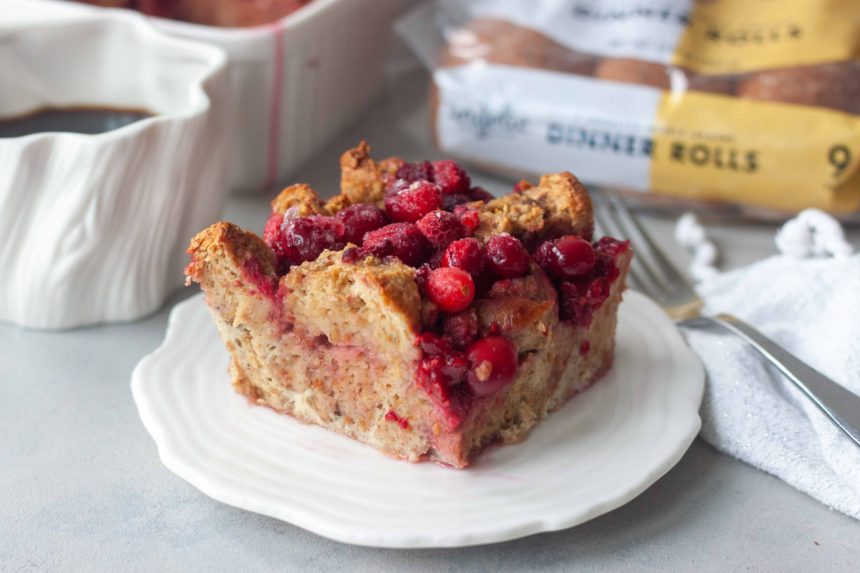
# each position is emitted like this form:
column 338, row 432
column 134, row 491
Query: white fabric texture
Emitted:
column 806, row 299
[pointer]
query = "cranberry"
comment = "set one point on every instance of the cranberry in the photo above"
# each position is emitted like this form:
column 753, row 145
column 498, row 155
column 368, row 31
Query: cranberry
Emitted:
column 606, row 267
column 272, row 230
column 566, row 258
column 421, row 276
column 359, row 219
column 522, row 185
column 493, row 364
column 506, row 256
column 272, row 236
column 469, row 216
column 432, row 344
column 461, row 328
column 450, row 288
column 569, row 306
column 409, row 204
column 465, row 254
column 480, row 194
column 402, row 240
column 579, row 300
column 353, row 255
column 302, row 239
column 450, row 177
column 611, row 247
column 597, row 291
column 441, row 376
column 411, row 172
column 441, row 228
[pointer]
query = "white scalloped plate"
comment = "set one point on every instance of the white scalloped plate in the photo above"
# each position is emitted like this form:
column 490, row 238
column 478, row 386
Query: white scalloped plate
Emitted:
column 598, row 452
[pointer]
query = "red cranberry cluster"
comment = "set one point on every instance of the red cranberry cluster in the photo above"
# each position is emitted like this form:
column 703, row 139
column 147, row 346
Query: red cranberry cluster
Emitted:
column 427, row 224
column 583, row 273
column 453, row 378
column 424, row 212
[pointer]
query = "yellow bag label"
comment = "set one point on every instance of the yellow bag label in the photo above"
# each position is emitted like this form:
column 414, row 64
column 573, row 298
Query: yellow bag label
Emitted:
column 781, row 156
column 734, row 36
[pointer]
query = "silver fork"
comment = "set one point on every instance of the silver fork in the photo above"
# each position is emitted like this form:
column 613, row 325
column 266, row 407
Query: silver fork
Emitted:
column 652, row 273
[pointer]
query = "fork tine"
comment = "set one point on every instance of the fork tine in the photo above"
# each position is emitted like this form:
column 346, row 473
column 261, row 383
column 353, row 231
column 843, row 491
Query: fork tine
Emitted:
column 670, row 275
column 644, row 249
column 640, row 273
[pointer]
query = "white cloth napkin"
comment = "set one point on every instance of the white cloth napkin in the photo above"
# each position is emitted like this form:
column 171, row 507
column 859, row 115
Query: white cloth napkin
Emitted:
column 806, row 299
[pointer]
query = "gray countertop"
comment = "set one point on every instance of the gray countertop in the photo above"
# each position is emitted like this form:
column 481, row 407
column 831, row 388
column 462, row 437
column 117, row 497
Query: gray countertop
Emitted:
column 82, row 487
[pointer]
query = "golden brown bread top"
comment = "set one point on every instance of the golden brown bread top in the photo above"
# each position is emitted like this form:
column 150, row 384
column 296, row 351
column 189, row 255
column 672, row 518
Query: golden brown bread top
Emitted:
column 559, row 204
column 227, row 244
column 224, row 253
column 361, row 178
column 328, row 277
column 301, row 197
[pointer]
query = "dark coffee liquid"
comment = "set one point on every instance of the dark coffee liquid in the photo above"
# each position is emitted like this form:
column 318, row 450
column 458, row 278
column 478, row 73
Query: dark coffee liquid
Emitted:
column 70, row 119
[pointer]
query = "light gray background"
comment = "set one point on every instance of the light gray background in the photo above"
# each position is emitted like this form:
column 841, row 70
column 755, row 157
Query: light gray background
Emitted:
column 81, row 486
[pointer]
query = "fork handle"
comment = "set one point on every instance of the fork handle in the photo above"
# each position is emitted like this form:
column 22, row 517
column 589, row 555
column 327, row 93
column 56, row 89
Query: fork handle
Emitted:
column 837, row 403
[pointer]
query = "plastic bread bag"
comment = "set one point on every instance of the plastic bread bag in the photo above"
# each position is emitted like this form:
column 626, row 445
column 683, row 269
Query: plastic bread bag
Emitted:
column 749, row 103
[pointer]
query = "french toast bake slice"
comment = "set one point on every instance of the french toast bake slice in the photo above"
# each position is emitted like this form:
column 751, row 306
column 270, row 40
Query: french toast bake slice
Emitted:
column 414, row 312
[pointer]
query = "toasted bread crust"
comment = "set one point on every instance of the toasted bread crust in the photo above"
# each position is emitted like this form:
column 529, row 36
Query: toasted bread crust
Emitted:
column 225, row 243
column 558, row 205
column 361, row 178
column 300, row 197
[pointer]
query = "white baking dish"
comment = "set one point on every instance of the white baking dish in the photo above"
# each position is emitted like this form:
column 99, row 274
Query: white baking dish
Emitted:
column 298, row 81
column 95, row 226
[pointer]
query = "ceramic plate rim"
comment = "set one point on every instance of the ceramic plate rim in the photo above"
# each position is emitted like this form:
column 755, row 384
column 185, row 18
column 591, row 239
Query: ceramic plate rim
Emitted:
column 685, row 363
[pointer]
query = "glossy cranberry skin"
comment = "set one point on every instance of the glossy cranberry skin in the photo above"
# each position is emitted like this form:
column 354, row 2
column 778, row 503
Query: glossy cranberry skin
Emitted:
column 566, row 258
column 441, row 228
column 402, row 240
column 493, row 365
column 450, row 177
column 359, row 219
column 506, row 256
column 408, row 204
column 576, row 256
column 302, row 239
column 451, row 289
column 465, row 254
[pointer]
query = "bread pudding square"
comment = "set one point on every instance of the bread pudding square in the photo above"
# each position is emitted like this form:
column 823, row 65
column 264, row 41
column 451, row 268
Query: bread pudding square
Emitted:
column 415, row 312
